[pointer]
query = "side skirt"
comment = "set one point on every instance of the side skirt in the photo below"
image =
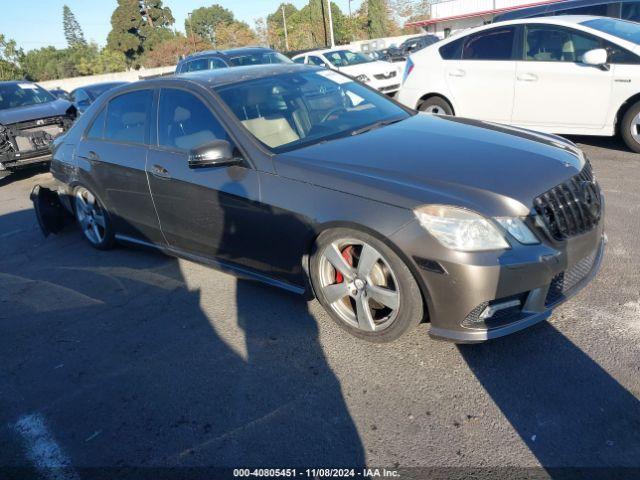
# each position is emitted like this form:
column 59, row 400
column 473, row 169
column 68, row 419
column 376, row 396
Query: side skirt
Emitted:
column 223, row 266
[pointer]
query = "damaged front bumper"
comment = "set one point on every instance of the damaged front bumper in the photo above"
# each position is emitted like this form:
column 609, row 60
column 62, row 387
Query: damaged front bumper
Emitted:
column 51, row 213
column 28, row 143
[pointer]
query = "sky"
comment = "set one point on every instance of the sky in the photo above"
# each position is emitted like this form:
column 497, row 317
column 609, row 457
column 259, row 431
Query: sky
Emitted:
column 40, row 24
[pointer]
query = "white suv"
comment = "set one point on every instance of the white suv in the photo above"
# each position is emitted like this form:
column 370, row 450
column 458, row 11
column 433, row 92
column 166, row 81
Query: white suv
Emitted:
column 567, row 75
column 383, row 76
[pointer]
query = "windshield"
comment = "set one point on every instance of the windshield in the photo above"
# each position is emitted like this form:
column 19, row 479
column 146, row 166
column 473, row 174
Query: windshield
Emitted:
column 629, row 31
column 13, row 95
column 292, row 110
column 344, row 58
column 259, row 58
column 98, row 90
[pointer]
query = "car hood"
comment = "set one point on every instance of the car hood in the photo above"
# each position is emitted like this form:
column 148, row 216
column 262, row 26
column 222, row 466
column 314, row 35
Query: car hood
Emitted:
column 489, row 168
column 34, row 112
column 371, row 68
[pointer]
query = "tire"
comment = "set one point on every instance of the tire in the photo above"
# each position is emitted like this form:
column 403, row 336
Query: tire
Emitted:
column 630, row 127
column 436, row 105
column 93, row 219
column 373, row 294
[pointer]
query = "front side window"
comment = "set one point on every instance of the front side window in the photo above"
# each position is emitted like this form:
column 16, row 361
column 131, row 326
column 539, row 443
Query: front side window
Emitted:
column 293, row 110
column 128, row 117
column 313, row 60
column 493, row 44
column 23, row 94
column 547, row 43
column 299, row 60
column 185, row 123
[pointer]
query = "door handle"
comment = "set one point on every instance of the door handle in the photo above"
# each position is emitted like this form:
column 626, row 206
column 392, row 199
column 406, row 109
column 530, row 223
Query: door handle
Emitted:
column 457, row 73
column 527, row 77
column 160, row 172
column 91, row 155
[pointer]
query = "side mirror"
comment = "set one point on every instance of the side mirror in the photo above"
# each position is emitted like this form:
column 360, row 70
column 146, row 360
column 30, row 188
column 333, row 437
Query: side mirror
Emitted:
column 218, row 153
column 597, row 57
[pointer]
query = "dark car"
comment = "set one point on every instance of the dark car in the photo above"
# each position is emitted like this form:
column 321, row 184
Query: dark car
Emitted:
column 624, row 9
column 307, row 180
column 237, row 57
column 59, row 93
column 415, row 44
column 83, row 97
column 30, row 118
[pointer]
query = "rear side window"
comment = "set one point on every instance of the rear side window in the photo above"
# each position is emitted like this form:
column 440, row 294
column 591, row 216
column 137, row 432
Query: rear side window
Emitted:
column 493, row 44
column 313, row 60
column 299, row 60
column 128, row 117
column 452, row 51
column 97, row 127
column 185, row 123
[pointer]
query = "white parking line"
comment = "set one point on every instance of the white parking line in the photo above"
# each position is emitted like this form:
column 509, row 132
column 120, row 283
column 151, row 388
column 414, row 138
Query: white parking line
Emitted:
column 42, row 449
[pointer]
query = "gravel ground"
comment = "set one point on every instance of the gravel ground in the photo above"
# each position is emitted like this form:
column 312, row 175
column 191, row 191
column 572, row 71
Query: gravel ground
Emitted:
column 130, row 358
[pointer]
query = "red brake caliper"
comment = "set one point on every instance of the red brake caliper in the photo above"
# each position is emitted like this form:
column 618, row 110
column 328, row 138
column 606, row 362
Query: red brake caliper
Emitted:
column 347, row 254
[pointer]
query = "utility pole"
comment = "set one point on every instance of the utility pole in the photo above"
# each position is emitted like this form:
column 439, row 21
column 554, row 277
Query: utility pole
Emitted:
column 193, row 37
column 286, row 36
column 333, row 40
column 324, row 22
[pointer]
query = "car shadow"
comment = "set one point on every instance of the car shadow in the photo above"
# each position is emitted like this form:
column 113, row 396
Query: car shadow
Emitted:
column 610, row 143
column 23, row 174
column 570, row 412
column 130, row 362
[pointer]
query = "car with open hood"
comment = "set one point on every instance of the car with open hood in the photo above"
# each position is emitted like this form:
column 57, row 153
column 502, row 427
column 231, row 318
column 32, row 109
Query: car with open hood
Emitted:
column 304, row 179
column 30, row 119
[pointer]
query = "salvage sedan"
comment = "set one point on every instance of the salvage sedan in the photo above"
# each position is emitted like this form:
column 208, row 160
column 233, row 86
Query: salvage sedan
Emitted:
column 30, row 119
column 304, row 179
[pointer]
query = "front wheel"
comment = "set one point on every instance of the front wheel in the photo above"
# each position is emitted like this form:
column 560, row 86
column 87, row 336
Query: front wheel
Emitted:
column 436, row 106
column 630, row 128
column 93, row 220
column 365, row 286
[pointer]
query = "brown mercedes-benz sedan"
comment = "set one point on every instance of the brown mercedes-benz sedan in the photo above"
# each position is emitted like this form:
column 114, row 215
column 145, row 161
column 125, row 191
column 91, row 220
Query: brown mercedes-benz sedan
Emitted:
column 307, row 180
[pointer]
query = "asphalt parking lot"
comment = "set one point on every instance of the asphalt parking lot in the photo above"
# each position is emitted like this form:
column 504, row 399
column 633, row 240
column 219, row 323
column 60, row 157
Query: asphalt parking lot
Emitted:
column 130, row 358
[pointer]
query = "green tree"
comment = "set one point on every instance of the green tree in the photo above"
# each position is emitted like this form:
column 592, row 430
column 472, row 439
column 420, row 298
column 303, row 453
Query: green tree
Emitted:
column 378, row 19
column 9, row 59
column 72, row 30
column 204, row 21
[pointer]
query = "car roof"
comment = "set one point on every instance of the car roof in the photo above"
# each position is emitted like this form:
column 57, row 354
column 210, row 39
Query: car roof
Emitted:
column 223, row 76
column 230, row 52
column 325, row 50
column 547, row 8
column 14, row 82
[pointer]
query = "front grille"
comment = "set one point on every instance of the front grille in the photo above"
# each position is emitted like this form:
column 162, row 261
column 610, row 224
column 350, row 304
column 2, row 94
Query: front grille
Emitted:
column 571, row 208
column 564, row 282
column 385, row 76
column 390, row 87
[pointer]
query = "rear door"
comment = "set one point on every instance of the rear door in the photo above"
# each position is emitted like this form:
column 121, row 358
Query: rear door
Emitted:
column 114, row 150
column 481, row 74
column 212, row 211
column 554, row 89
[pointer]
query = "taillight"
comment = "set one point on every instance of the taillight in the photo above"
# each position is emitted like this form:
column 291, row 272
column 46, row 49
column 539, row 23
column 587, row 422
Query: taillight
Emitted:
column 407, row 69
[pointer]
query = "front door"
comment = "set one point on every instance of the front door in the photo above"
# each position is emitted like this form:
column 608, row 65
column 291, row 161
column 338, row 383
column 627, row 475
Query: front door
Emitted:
column 212, row 211
column 482, row 79
column 554, row 89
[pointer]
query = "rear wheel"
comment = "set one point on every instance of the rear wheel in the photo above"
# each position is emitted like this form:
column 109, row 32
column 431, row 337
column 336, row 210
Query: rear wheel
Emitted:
column 366, row 288
column 436, row 106
column 93, row 219
column 630, row 127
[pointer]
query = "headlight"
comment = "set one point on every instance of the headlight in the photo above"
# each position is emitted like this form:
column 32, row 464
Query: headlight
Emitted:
column 516, row 227
column 460, row 229
column 362, row 78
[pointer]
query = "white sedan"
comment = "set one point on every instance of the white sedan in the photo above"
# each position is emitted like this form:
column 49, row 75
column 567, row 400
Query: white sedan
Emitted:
column 567, row 75
column 383, row 76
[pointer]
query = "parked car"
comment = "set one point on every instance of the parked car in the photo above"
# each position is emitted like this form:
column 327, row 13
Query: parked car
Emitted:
column 381, row 75
column 624, row 9
column 59, row 93
column 83, row 97
column 304, row 179
column 30, row 118
column 415, row 44
column 237, row 57
column 568, row 75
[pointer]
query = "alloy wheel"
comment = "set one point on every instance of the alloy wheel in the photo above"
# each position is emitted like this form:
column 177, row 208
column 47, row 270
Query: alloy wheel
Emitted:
column 435, row 110
column 359, row 285
column 91, row 216
column 635, row 128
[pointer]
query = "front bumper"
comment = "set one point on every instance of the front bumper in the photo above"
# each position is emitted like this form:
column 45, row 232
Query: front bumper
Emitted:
column 474, row 297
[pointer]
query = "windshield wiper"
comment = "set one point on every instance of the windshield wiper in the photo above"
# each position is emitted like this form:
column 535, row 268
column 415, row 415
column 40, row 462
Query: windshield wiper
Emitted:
column 374, row 126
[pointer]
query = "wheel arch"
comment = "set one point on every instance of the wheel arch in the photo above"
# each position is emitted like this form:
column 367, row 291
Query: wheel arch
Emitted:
column 334, row 225
column 427, row 96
